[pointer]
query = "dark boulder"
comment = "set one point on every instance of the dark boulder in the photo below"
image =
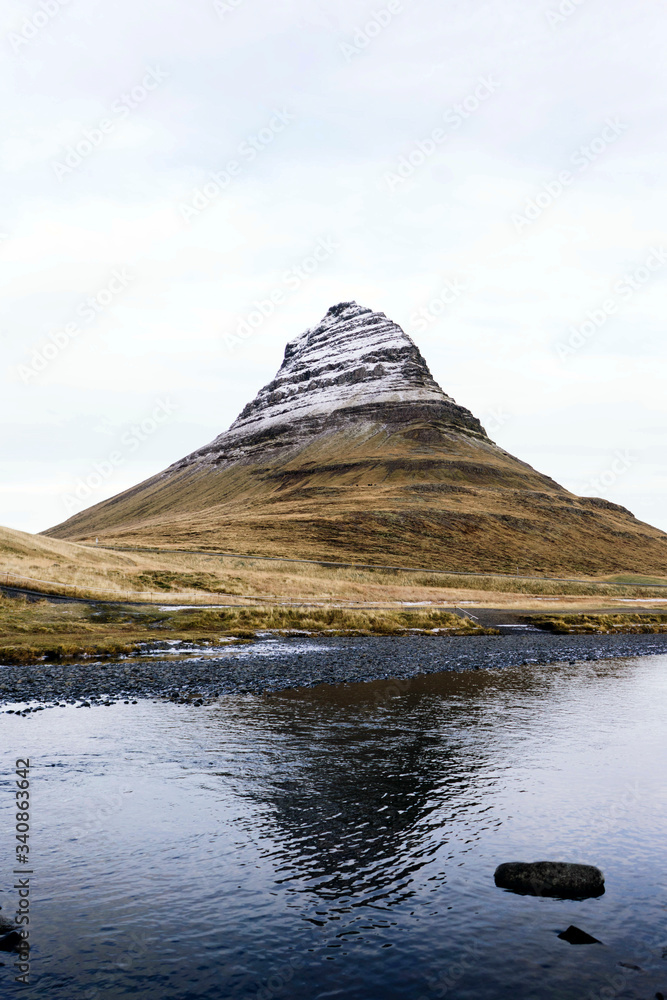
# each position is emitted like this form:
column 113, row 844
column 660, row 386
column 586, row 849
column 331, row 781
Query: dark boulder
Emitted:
column 550, row 878
column 11, row 941
column 574, row 935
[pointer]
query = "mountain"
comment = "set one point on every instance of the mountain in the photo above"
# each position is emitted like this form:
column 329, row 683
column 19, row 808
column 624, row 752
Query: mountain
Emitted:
column 354, row 452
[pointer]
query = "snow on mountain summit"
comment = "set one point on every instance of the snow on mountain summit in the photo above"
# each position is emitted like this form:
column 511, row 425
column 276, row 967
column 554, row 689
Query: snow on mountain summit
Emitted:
column 355, row 366
column 352, row 357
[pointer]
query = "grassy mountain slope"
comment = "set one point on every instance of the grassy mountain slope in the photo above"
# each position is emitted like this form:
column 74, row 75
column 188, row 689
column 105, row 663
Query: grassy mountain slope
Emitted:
column 422, row 495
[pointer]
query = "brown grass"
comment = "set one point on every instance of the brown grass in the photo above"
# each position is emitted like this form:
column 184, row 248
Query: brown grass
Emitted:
column 180, row 577
column 596, row 624
column 419, row 494
column 41, row 630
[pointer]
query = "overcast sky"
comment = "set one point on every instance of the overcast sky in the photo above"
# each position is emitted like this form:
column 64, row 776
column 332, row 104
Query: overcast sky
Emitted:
column 490, row 175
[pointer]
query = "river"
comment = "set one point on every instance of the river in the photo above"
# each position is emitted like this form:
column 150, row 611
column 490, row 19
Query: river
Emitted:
column 340, row 841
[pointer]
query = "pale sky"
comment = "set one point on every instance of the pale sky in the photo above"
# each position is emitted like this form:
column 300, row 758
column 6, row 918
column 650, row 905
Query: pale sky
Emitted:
column 490, row 175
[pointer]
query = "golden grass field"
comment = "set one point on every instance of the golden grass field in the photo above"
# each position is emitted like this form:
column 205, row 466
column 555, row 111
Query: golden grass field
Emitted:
column 173, row 577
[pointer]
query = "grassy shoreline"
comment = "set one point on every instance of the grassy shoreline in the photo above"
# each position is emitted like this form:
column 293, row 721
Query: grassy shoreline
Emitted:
column 42, row 631
column 31, row 632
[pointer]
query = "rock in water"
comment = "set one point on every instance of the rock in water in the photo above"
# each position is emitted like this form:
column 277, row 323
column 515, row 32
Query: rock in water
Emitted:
column 550, row 878
column 574, row 935
column 11, row 941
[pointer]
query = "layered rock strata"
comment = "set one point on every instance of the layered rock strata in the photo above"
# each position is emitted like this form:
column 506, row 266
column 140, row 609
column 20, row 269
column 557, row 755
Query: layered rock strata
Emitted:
column 354, row 366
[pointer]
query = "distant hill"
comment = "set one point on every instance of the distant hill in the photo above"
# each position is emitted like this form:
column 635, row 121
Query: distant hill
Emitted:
column 36, row 558
column 353, row 452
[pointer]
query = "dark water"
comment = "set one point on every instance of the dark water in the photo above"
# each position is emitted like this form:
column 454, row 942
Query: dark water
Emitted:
column 341, row 842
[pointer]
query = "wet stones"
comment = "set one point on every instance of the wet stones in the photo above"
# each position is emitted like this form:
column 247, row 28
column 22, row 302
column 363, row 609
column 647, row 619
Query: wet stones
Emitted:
column 253, row 671
column 550, row 878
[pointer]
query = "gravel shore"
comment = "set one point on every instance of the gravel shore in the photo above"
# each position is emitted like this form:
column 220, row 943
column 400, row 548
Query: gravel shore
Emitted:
column 279, row 664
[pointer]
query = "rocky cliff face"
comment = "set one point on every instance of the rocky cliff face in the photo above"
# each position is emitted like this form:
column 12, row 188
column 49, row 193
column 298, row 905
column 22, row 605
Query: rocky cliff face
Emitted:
column 354, row 366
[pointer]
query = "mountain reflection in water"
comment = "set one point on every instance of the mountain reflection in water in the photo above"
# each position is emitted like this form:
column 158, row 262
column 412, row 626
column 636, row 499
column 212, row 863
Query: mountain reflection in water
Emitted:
column 357, row 813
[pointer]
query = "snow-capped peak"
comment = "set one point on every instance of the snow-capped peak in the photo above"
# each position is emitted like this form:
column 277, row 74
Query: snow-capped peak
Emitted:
column 355, row 366
column 352, row 357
